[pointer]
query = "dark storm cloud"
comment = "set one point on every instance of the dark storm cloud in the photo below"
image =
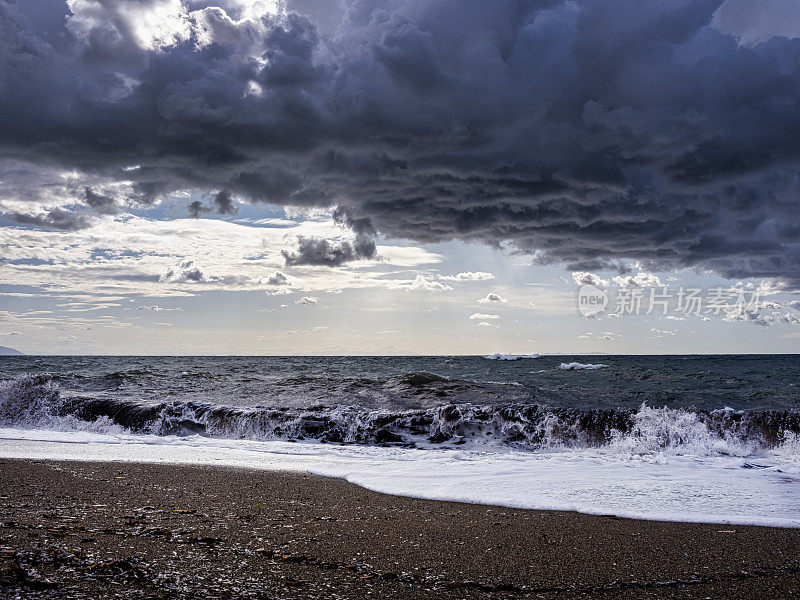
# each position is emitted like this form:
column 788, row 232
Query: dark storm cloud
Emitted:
column 99, row 202
column 324, row 253
column 224, row 204
column 186, row 272
column 55, row 218
column 586, row 132
column 278, row 278
column 196, row 209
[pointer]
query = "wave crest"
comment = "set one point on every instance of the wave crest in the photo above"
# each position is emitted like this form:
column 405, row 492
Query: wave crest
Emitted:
column 35, row 402
column 576, row 366
column 27, row 400
column 499, row 356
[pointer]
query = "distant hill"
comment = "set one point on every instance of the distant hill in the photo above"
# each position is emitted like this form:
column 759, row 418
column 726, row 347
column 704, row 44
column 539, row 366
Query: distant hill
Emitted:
column 9, row 352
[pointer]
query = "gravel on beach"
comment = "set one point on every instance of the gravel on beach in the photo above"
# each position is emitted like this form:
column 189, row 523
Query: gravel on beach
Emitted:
column 88, row 530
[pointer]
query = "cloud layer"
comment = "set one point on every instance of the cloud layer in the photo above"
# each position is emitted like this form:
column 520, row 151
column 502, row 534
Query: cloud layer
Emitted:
column 322, row 252
column 583, row 132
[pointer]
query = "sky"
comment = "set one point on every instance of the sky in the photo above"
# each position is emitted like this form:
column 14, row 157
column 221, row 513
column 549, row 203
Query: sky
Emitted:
column 399, row 177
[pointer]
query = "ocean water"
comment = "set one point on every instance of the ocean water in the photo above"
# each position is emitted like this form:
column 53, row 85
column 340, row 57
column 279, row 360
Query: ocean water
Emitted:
column 679, row 437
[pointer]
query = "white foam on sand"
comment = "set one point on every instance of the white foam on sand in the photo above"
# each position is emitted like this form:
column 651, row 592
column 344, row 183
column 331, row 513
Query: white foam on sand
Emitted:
column 654, row 485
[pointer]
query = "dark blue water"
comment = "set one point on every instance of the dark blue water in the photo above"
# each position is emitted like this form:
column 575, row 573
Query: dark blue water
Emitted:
column 404, row 399
column 755, row 382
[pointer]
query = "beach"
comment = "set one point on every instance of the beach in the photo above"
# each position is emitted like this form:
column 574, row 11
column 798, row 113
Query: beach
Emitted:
column 82, row 529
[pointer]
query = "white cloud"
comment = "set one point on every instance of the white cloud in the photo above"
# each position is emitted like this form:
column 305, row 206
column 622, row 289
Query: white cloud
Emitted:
column 483, row 317
column 586, row 278
column 153, row 25
column 159, row 24
column 492, row 297
column 156, row 308
column 659, row 333
column 423, row 283
column 756, row 21
column 763, row 320
column 606, row 336
column 467, row 276
column 790, row 319
column 403, row 256
column 48, row 319
column 307, row 300
column 641, row 279
column 129, row 255
column 749, row 317
column 87, row 306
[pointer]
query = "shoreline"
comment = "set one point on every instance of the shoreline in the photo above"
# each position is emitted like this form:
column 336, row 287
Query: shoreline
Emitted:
column 680, row 491
column 86, row 528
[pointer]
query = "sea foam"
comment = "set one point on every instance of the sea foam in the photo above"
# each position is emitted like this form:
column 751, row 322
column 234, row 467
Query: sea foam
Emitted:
column 663, row 485
column 576, row 366
column 511, row 356
column 658, row 463
column 34, row 402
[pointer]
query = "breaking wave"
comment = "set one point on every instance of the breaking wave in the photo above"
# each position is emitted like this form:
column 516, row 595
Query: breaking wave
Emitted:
column 35, row 402
column 510, row 356
column 576, row 366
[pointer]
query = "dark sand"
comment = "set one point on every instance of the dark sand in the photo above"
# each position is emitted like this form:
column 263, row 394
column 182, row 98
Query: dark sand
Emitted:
column 142, row 531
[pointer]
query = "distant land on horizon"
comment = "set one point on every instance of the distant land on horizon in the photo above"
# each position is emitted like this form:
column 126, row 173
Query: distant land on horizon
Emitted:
column 5, row 351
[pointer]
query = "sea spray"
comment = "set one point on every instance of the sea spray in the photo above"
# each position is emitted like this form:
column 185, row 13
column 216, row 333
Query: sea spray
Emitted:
column 35, row 402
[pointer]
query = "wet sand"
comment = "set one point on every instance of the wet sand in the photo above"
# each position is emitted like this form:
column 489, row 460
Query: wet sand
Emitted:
column 87, row 530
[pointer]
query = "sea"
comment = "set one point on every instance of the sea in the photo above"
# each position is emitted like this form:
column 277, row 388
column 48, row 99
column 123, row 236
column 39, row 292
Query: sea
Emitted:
column 691, row 438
